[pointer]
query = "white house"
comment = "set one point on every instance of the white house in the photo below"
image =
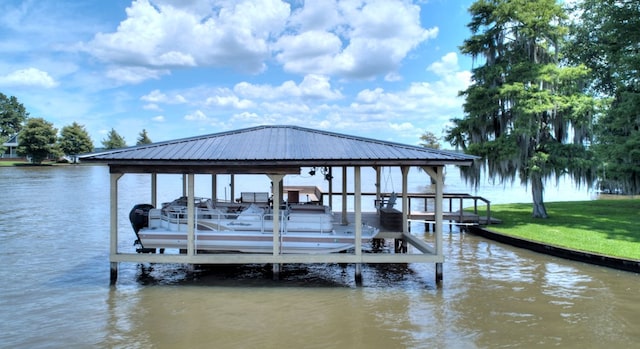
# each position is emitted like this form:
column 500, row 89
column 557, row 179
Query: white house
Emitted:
column 11, row 147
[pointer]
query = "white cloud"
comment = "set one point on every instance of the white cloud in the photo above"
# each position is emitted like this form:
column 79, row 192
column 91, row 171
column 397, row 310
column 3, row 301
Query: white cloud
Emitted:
column 311, row 87
column 318, row 86
column 346, row 39
column 446, row 65
column 354, row 39
column 287, row 108
column 134, row 75
column 31, row 77
column 402, row 127
column 167, row 34
column 248, row 117
column 229, row 101
column 158, row 118
column 198, row 115
column 316, row 15
column 152, row 106
column 156, row 97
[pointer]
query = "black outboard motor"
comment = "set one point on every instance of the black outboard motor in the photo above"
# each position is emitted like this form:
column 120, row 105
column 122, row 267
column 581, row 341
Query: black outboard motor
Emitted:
column 139, row 218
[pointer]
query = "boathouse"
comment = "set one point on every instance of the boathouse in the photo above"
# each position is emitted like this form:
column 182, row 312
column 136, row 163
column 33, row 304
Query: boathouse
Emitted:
column 276, row 152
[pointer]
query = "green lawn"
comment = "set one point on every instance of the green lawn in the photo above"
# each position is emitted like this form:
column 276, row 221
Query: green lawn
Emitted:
column 10, row 163
column 609, row 227
column 7, row 163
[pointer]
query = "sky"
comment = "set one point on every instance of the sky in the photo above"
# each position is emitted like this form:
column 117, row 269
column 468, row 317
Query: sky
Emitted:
column 384, row 69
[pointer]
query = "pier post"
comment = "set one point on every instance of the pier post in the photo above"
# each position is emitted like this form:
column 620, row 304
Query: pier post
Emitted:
column 114, row 273
column 345, row 221
column 113, row 225
column 438, row 274
column 358, row 274
column 276, row 271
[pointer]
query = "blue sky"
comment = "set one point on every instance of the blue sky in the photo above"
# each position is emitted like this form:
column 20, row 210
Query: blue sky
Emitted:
column 384, row 69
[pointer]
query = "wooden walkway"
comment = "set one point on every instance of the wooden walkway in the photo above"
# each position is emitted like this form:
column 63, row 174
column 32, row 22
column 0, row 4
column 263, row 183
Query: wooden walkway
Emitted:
column 464, row 218
column 454, row 218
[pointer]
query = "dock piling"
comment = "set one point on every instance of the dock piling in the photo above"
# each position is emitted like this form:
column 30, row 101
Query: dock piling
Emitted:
column 114, row 273
column 358, row 274
column 438, row 274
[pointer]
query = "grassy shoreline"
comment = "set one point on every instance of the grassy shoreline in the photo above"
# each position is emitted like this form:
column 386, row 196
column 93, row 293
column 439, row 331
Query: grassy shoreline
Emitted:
column 607, row 227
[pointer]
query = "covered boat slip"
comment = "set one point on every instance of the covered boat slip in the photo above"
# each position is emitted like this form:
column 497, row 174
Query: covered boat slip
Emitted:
column 278, row 151
column 245, row 227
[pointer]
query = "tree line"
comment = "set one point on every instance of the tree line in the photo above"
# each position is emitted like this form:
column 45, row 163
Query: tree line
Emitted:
column 38, row 139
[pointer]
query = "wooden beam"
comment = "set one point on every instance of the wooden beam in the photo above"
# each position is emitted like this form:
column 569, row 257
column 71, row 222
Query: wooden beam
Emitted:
column 248, row 258
column 202, row 169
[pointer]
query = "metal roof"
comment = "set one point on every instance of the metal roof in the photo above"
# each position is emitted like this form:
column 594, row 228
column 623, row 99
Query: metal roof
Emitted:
column 278, row 146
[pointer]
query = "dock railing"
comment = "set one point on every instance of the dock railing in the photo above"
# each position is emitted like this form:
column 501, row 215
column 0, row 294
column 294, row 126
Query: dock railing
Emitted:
column 454, row 205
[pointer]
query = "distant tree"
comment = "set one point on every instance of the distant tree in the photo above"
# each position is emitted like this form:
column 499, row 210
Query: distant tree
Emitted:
column 143, row 138
column 606, row 38
column 74, row 139
column 526, row 115
column 429, row 140
column 113, row 140
column 12, row 116
column 38, row 140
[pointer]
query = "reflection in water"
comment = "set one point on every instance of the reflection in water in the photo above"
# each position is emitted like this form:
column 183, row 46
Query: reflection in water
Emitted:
column 55, row 293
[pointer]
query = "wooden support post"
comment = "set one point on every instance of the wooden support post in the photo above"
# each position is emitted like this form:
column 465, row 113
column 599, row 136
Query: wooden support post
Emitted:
column 232, row 185
column 357, row 204
column 214, row 188
column 184, row 185
column 461, row 215
column 276, row 187
column 345, row 221
column 378, row 199
column 405, row 206
column 437, row 174
column 276, row 179
column 191, row 215
column 330, row 196
column 114, row 273
column 154, row 189
column 113, row 225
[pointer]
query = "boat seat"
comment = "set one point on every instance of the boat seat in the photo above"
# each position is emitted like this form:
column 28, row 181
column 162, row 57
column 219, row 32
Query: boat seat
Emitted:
column 386, row 203
column 254, row 197
column 392, row 200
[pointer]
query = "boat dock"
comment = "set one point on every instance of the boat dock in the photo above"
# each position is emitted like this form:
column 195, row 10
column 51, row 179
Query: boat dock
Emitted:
column 280, row 151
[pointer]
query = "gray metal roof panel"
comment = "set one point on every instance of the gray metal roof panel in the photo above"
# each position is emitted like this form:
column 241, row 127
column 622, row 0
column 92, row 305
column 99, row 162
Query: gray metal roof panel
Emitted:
column 283, row 143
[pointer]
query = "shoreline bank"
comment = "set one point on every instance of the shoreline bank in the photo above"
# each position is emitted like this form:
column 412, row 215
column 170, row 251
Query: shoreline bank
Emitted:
column 557, row 251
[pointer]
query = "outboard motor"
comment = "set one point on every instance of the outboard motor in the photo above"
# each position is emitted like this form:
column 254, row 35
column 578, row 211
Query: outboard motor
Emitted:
column 139, row 218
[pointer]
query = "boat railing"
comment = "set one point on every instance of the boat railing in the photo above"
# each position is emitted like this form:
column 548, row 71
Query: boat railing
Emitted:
column 175, row 218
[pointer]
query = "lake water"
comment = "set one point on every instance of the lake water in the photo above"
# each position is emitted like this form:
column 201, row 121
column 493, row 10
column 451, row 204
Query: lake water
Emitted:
column 55, row 293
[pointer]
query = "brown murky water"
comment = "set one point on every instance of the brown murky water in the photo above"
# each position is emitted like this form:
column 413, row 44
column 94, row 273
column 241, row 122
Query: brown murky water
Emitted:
column 55, row 288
